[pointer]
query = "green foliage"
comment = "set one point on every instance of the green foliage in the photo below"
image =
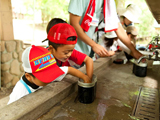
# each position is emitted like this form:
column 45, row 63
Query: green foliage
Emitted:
column 49, row 8
column 146, row 27
column 59, row 8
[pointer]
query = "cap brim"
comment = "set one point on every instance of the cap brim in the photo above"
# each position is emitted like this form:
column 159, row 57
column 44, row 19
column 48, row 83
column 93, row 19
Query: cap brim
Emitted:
column 44, row 40
column 134, row 33
column 111, row 35
column 48, row 75
column 130, row 17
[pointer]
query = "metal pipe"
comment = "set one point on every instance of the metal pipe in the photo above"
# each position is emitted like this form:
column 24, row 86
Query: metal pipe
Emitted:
column 149, row 57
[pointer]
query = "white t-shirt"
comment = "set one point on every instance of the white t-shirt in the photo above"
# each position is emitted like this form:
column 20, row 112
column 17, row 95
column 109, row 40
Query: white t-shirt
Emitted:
column 20, row 90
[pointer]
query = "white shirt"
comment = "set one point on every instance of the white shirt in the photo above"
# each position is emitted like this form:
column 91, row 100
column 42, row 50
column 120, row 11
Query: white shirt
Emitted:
column 20, row 90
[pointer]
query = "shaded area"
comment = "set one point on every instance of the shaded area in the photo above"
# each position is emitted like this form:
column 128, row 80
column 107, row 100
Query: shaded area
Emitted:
column 117, row 89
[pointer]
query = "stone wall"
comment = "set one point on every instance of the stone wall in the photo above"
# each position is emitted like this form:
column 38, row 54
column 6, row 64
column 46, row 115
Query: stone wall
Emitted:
column 11, row 63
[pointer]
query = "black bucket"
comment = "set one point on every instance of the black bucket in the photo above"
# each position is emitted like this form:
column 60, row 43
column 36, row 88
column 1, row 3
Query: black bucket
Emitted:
column 140, row 69
column 87, row 91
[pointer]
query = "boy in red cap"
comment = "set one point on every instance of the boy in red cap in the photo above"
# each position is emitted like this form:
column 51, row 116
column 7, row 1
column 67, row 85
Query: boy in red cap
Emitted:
column 38, row 64
column 62, row 39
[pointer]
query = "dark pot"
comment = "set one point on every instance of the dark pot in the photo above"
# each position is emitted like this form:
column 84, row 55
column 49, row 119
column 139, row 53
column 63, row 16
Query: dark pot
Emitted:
column 87, row 91
column 140, row 69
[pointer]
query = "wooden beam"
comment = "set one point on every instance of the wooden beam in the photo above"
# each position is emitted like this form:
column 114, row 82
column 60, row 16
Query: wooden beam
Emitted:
column 6, row 23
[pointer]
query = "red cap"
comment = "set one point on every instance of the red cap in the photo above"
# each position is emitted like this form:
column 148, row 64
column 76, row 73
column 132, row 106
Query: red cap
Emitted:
column 41, row 63
column 60, row 32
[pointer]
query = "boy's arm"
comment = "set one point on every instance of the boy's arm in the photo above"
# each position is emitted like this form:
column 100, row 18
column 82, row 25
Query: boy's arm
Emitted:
column 74, row 21
column 79, row 74
column 65, row 70
column 124, row 38
column 89, row 66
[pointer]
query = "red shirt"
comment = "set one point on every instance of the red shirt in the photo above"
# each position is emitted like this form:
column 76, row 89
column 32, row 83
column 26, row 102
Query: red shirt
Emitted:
column 76, row 59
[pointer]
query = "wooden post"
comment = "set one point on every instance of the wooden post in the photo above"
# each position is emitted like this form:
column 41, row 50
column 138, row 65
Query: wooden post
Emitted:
column 6, row 23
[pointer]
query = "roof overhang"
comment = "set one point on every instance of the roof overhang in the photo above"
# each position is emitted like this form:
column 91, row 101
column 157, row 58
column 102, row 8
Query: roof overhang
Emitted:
column 154, row 6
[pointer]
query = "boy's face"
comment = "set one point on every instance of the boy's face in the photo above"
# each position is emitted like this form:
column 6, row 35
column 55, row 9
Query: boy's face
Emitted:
column 126, row 21
column 63, row 52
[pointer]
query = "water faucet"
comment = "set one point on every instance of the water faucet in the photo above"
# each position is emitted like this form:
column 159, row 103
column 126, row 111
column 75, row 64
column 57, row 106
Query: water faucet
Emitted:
column 156, row 40
column 156, row 53
column 144, row 57
column 150, row 57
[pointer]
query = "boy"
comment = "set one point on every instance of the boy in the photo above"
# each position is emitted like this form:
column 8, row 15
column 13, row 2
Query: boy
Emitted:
column 39, row 66
column 62, row 39
column 132, row 34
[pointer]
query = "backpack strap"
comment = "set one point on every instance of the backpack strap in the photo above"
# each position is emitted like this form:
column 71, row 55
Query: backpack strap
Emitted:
column 101, row 29
column 26, row 86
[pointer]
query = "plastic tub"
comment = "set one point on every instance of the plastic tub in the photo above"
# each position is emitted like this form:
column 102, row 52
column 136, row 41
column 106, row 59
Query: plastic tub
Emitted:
column 87, row 91
column 140, row 69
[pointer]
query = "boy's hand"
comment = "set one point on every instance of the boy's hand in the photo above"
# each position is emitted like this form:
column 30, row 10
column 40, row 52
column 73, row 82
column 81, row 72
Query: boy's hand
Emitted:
column 100, row 50
column 79, row 74
column 111, row 53
column 86, row 79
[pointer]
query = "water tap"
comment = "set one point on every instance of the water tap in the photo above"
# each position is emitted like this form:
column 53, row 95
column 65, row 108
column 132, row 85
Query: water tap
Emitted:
column 144, row 57
column 150, row 57
column 156, row 53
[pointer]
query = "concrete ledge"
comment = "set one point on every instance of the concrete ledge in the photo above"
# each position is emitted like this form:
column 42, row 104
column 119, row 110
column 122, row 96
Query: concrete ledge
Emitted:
column 32, row 106
column 4, row 101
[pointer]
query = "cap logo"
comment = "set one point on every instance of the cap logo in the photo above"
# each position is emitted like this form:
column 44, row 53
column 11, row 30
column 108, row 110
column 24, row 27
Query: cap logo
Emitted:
column 59, row 34
column 43, row 62
column 54, row 35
